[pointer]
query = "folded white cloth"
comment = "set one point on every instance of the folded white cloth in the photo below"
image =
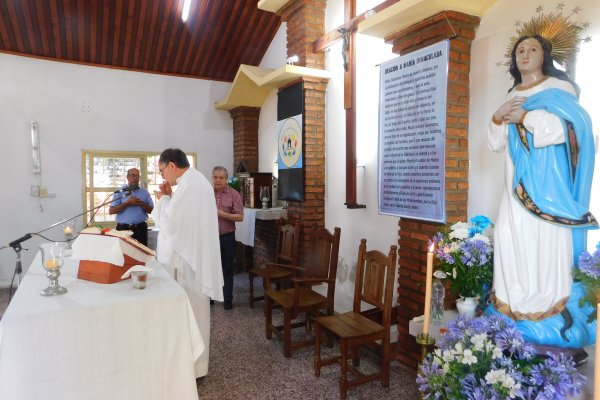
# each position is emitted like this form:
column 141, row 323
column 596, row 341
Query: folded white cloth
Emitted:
column 140, row 268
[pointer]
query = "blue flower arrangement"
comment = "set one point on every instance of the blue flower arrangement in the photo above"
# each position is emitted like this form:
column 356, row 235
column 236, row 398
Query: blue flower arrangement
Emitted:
column 465, row 255
column 487, row 358
column 588, row 273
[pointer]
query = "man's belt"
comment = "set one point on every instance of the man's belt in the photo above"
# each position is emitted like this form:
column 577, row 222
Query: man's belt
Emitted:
column 131, row 226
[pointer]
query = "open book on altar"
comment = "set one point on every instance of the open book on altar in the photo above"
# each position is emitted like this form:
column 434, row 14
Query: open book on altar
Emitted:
column 104, row 256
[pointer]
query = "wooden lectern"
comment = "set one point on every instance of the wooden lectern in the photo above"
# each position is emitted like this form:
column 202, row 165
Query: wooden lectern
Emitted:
column 105, row 256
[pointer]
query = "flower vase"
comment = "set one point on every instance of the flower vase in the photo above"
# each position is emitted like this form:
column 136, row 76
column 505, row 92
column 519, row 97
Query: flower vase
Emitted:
column 466, row 306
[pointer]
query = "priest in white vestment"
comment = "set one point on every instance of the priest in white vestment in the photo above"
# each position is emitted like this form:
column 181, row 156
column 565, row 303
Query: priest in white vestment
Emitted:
column 188, row 238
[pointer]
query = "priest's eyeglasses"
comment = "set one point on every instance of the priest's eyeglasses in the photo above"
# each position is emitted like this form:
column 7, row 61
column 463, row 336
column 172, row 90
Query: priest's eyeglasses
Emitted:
column 160, row 170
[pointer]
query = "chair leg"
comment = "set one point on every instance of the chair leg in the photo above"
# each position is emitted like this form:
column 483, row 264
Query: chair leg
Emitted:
column 287, row 334
column 385, row 363
column 251, row 287
column 268, row 317
column 344, row 369
column 317, row 349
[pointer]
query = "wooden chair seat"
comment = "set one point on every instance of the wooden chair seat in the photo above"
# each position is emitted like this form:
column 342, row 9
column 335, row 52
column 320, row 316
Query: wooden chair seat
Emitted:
column 288, row 239
column 350, row 325
column 374, row 285
column 307, row 298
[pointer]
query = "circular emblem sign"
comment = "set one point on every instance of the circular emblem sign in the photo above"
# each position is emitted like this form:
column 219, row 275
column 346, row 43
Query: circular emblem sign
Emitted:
column 290, row 142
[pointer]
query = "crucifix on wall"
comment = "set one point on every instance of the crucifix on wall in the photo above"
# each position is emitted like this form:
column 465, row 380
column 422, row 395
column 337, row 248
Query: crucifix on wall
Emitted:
column 346, row 32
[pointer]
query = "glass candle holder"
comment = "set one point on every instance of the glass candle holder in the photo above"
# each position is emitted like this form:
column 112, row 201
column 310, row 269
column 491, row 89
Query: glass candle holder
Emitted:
column 68, row 231
column 52, row 261
column 265, row 195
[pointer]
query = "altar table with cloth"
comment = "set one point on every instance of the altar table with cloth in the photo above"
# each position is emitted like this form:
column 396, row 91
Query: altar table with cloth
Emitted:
column 98, row 341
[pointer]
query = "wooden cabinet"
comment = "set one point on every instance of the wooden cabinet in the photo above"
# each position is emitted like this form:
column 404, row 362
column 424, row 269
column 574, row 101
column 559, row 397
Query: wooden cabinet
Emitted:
column 251, row 189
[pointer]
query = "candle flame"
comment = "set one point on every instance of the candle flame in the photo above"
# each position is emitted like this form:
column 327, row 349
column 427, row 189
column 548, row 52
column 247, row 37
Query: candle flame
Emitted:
column 431, row 248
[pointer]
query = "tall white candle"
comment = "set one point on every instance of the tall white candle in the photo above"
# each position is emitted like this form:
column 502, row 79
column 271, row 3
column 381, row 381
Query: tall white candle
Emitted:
column 597, row 357
column 428, row 279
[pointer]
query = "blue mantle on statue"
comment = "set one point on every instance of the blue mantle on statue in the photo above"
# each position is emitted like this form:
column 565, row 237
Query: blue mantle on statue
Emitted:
column 547, row 332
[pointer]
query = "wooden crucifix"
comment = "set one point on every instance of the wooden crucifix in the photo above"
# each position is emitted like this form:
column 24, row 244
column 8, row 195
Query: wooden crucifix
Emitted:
column 346, row 33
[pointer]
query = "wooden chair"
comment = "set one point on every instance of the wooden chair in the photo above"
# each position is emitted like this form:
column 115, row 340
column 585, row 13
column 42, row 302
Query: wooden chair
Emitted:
column 301, row 299
column 374, row 285
column 288, row 239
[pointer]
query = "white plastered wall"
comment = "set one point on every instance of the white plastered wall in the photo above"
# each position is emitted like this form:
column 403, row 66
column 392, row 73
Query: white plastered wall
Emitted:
column 127, row 111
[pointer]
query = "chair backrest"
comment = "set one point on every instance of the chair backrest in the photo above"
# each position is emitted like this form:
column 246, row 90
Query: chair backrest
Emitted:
column 288, row 240
column 375, row 273
column 324, row 253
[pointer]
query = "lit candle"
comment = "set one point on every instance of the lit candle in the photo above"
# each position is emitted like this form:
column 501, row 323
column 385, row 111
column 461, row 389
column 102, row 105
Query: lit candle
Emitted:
column 51, row 263
column 597, row 357
column 428, row 278
column 68, row 230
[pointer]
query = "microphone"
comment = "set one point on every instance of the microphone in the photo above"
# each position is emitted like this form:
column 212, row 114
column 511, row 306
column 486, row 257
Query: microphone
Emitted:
column 127, row 189
column 17, row 242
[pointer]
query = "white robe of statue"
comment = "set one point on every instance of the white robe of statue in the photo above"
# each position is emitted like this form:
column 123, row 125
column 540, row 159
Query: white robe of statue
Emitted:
column 533, row 259
column 188, row 247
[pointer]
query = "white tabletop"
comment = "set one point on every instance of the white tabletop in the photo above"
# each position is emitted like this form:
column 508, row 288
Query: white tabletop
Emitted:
column 98, row 341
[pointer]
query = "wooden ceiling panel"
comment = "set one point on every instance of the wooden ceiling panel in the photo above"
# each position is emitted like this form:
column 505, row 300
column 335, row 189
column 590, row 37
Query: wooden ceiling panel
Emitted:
column 141, row 35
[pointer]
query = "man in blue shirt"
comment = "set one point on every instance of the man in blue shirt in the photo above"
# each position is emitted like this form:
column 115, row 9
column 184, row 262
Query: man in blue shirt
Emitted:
column 132, row 207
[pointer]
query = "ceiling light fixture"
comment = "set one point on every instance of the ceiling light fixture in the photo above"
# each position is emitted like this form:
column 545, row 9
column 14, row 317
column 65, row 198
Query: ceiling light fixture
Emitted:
column 186, row 10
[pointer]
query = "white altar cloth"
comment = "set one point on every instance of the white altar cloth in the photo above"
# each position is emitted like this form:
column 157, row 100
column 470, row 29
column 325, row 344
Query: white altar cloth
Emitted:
column 98, row 341
column 244, row 230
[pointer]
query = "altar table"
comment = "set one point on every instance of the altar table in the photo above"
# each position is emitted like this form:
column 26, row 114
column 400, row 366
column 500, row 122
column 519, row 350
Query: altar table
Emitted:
column 98, row 341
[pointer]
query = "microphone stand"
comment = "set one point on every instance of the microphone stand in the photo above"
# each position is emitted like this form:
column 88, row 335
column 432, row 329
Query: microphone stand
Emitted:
column 16, row 244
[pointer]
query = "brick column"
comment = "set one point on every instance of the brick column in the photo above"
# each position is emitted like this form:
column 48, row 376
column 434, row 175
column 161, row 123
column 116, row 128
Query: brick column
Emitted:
column 245, row 137
column 305, row 24
column 413, row 234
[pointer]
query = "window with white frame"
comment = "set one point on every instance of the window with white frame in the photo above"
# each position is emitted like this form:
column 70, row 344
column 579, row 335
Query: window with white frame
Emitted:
column 105, row 172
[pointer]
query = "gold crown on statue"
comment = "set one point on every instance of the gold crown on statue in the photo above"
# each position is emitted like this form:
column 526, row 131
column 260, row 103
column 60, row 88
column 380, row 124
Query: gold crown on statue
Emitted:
column 564, row 34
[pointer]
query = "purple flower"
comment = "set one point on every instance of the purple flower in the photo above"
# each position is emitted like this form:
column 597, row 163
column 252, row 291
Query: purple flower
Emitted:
column 475, row 252
column 557, row 376
column 514, row 373
column 590, row 264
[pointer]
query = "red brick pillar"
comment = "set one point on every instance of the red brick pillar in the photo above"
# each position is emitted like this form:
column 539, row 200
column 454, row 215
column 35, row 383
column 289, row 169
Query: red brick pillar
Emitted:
column 245, row 137
column 413, row 234
column 305, row 24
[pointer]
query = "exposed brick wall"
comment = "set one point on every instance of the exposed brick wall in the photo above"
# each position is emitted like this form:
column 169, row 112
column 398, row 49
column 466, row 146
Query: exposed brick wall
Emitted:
column 245, row 137
column 305, row 23
column 265, row 241
column 413, row 234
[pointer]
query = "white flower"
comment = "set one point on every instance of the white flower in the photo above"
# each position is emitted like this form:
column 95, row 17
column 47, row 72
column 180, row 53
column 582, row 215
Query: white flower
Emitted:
column 483, row 238
column 469, row 358
column 458, row 348
column 515, row 390
column 454, row 273
column 447, row 356
column 479, row 341
column 446, row 368
column 499, row 376
column 495, row 376
column 459, row 230
column 454, row 247
column 496, row 353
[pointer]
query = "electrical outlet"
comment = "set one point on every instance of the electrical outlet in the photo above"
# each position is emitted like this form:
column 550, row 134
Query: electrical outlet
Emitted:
column 35, row 191
column 43, row 192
